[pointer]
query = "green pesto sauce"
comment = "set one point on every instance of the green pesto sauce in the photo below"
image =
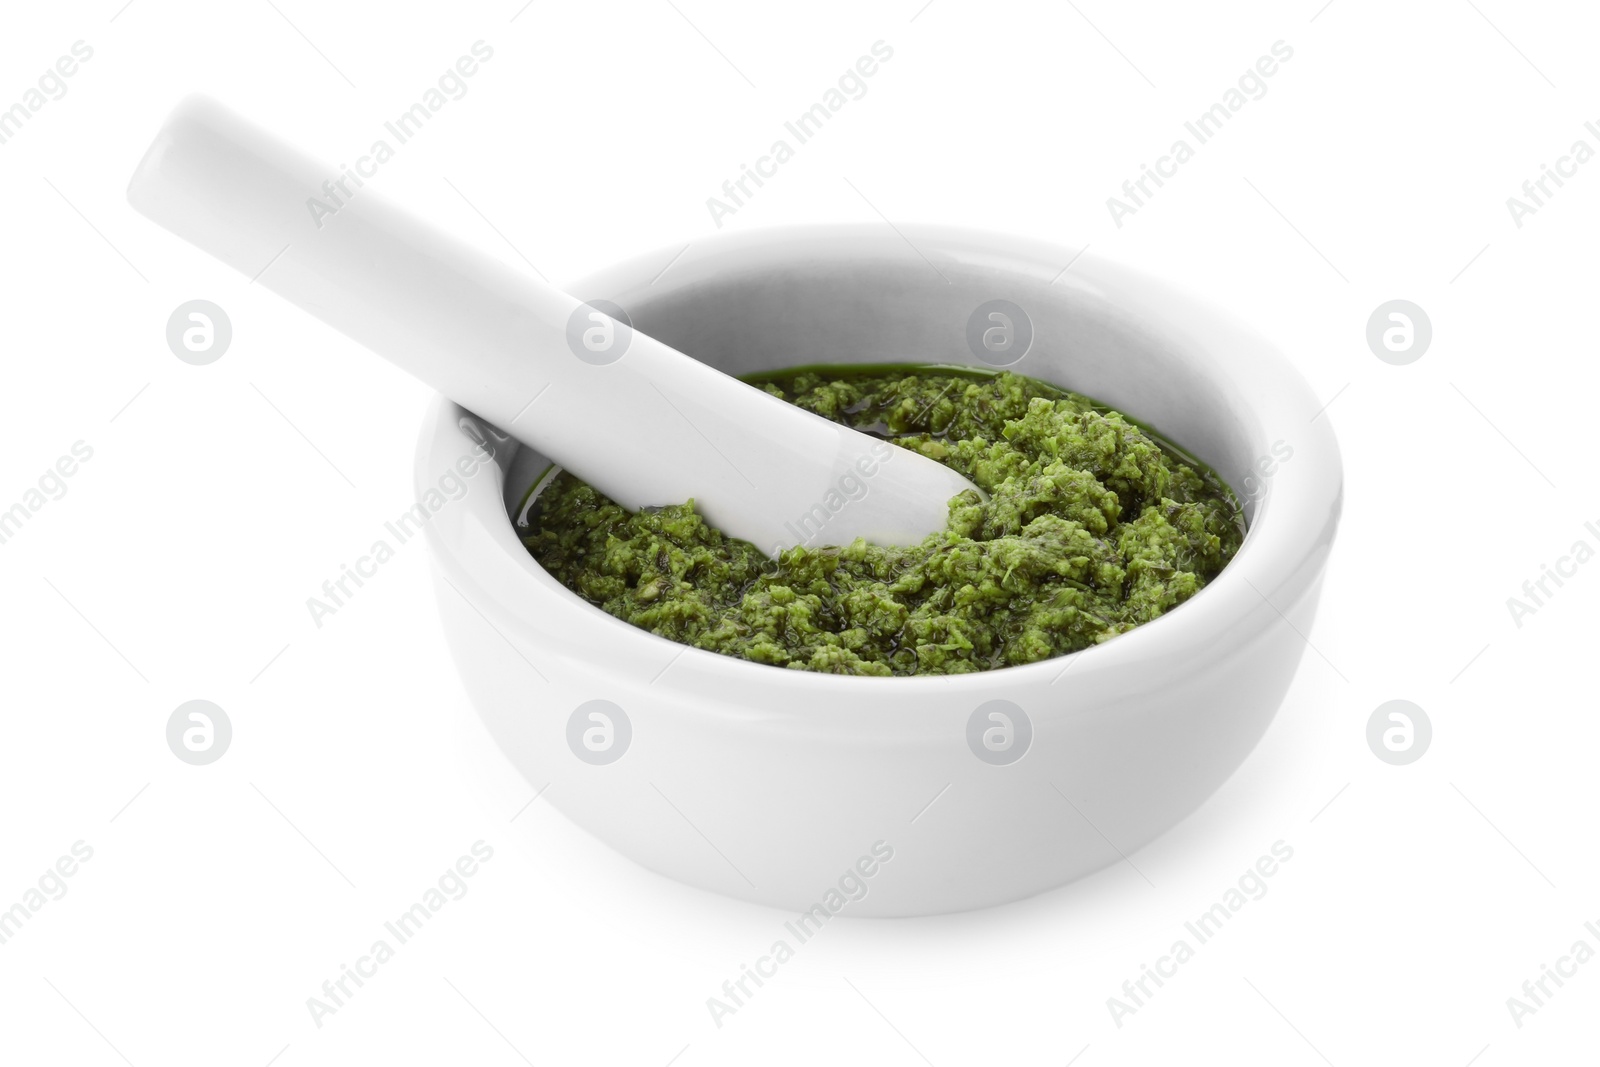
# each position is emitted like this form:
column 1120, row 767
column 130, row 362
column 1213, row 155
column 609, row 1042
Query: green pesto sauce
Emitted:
column 1093, row 525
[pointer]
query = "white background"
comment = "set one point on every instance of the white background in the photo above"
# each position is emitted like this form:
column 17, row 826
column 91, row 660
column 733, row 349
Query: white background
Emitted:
column 178, row 563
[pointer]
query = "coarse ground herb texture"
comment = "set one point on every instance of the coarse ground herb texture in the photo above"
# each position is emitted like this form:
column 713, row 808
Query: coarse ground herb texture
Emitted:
column 1092, row 526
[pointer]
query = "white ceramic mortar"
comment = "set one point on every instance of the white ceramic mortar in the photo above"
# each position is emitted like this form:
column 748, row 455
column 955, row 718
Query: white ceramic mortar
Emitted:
column 767, row 784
